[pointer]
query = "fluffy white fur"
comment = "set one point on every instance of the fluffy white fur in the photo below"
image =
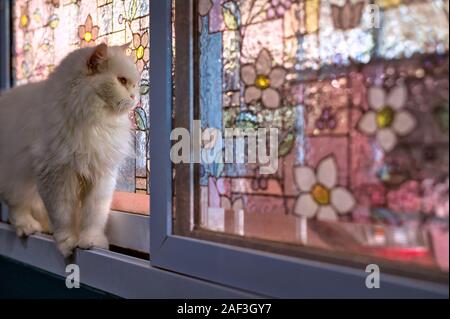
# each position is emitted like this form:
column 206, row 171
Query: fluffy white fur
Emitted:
column 61, row 142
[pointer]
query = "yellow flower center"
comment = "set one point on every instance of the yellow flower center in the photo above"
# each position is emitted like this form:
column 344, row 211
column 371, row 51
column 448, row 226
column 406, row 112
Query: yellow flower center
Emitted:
column 88, row 37
column 24, row 20
column 262, row 82
column 140, row 52
column 385, row 117
column 321, row 194
column 54, row 24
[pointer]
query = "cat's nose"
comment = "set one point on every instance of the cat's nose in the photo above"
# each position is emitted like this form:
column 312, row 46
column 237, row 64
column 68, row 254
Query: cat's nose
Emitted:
column 133, row 96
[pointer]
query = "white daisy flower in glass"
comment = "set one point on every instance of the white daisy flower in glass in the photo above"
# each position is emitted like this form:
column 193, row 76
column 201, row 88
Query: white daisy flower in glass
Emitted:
column 263, row 81
column 387, row 118
column 320, row 194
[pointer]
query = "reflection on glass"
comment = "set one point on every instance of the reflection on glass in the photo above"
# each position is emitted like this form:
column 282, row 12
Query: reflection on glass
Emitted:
column 363, row 123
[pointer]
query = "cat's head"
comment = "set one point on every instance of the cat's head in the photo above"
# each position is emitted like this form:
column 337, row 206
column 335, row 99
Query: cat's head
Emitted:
column 113, row 76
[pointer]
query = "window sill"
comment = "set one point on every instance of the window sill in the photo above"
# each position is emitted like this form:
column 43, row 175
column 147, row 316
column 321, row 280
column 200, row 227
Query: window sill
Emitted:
column 125, row 230
column 117, row 274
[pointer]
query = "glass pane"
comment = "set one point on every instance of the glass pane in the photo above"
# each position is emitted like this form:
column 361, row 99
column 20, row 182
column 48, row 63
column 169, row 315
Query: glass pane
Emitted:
column 358, row 95
column 45, row 31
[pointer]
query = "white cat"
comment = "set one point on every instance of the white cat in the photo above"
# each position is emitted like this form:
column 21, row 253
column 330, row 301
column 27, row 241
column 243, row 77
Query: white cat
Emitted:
column 61, row 142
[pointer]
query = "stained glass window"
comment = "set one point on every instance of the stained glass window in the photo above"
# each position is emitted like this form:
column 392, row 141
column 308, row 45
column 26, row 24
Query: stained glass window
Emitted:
column 358, row 91
column 45, row 31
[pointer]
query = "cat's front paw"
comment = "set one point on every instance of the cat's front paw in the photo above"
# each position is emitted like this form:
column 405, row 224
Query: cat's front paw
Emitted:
column 93, row 239
column 66, row 244
column 27, row 226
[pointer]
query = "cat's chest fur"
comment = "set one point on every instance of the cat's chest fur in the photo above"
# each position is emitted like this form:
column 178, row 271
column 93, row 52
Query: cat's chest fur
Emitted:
column 91, row 144
column 100, row 145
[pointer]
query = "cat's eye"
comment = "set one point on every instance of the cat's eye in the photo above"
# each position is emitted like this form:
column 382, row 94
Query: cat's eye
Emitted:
column 122, row 80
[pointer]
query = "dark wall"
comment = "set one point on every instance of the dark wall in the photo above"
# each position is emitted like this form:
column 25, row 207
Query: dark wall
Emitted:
column 18, row 280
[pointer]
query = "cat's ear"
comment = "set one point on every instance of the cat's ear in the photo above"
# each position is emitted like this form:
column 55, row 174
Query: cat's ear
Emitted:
column 99, row 55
